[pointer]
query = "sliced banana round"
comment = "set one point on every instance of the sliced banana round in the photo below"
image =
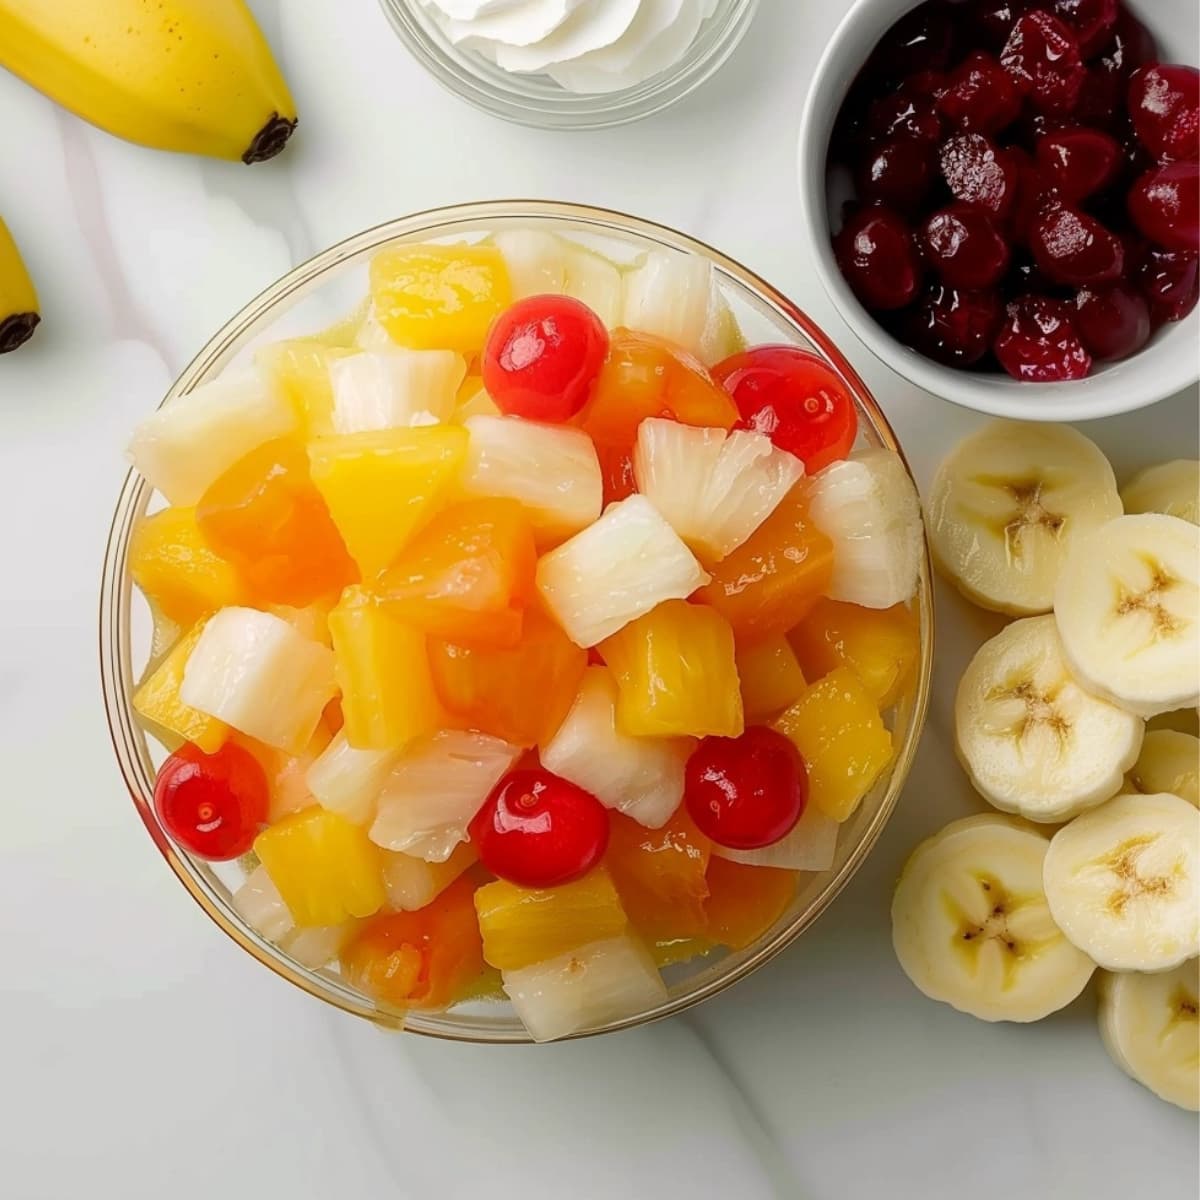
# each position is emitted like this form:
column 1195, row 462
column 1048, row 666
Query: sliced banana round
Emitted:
column 1031, row 739
column 1128, row 611
column 1123, row 882
column 1171, row 487
column 1008, row 502
column 971, row 926
column 1150, row 1025
column 1169, row 762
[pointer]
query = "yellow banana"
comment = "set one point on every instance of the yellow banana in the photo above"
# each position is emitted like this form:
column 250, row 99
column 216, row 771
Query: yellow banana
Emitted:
column 190, row 75
column 18, row 300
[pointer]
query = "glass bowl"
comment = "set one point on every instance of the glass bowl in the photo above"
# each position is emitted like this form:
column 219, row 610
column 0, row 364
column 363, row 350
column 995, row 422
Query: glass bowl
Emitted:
column 537, row 100
column 311, row 297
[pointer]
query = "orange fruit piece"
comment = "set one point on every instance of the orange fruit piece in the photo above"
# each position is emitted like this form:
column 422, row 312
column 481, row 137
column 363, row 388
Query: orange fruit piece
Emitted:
column 422, row 959
column 520, row 694
column 467, row 577
column 773, row 578
column 744, row 902
column 881, row 646
column 178, row 571
column 265, row 516
column 837, row 728
column 770, row 676
column 660, row 876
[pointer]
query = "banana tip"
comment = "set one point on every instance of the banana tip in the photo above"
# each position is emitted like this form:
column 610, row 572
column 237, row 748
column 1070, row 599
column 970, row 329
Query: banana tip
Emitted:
column 270, row 139
column 17, row 329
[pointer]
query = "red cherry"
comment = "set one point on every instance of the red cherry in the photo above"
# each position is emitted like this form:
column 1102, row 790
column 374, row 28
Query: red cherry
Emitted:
column 793, row 398
column 991, row 21
column 980, row 96
column 1092, row 20
column 538, row 830
column 904, row 114
column 1042, row 56
column 1170, row 281
column 977, row 173
column 1038, row 342
column 1132, row 45
column 921, row 40
column 1072, row 247
column 1165, row 205
column 1113, row 321
column 1030, row 194
column 876, row 254
column 897, row 172
column 212, row 804
column 1164, row 105
column 953, row 327
column 964, row 247
column 1078, row 162
column 542, row 357
column 746, row 792
column 1101, row 99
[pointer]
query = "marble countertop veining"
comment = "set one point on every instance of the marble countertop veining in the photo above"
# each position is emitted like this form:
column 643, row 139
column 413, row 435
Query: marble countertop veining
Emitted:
column 141, row 1053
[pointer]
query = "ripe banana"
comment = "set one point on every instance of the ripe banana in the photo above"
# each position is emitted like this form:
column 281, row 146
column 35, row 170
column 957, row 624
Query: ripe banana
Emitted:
column 1171, row 487
column 190, row 75
column 1169, row 762
column 1150, row 1025
column 1031, row 739
column 1123, row 882
column 18, row 301
column 971, row 926
column 1127, row 605
column 1006, row 505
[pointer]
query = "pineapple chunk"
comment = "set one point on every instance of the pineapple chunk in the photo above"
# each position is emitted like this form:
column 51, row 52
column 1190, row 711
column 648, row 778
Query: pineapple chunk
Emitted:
column 311, row 621
column 185, row 445
column 676, row 674
column 177, row 572
column 299, row 369
column 371, row 335
column 552, row 470
column 845, row 745
column 381, row 487
column 260, row 905
column 413, row 883
column 714, row 488
column 394, row 390
column 583, row 988
column 439, row 297
column 722, row 337
column 348, row 781
column 325, row 869
column 473, row 401
column 256, row 673
column 668, row 294
column 157, row 701
column 622, row 566
column 595, row 281
column 317, row 945
column 770, row 676
column 639, row 776
column 521, row 926
column 536, row 261
column 434, row 791
column 383, row 672
column 811, row 846
column 286, row 773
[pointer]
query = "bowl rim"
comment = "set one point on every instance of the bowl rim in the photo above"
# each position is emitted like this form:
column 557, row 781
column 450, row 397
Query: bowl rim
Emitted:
column 1134, row 383
column 117, row 682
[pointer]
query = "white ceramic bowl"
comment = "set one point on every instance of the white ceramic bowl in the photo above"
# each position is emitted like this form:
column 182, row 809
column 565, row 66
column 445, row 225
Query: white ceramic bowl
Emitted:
column 1167, row 365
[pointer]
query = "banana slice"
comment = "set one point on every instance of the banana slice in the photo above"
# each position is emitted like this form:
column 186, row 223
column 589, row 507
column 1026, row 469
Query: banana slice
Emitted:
column 1171, row 487
column 1128, row 611
column 1123, row 882
column 1031, row 739
column 1169, row 762
column 1150, row 1025
column 1008, row 502
column 971, row 926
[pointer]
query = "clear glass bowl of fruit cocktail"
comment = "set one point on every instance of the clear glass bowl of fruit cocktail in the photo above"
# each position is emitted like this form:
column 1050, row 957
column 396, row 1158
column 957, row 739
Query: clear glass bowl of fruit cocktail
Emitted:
column 516, row 624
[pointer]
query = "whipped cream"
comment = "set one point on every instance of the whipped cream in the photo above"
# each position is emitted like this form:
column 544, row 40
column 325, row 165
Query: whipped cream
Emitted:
column 587, row 46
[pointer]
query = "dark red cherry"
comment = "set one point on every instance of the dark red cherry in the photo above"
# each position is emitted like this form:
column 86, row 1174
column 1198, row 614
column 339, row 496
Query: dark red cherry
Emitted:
column 953, row 327
column 976, row 173
column 1170, row 281
column 964, row 247
column 1165, row 205
column 1030, row 193
column 922, row 40
column 1132, row 46
column 1092, row 20
column 1073, row 247
column 980, row 96
column 1113, row 321
column 1038, row 342
column 1042, row 56
column 898, row 172
column 991, row 21
column 1164, row 105
column 878, row 257
column 1078, row 162
column 903, row 114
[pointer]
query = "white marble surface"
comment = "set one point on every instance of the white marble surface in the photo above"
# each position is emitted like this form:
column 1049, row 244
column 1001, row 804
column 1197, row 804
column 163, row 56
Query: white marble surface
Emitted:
column 141, row 1053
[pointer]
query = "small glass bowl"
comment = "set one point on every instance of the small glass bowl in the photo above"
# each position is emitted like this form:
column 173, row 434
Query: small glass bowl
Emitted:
column 312, row 297
column 537, row 100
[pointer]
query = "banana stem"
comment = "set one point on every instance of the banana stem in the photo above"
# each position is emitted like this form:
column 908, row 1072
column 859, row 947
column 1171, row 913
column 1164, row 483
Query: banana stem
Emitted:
column 17, row 329
column 270, row 139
